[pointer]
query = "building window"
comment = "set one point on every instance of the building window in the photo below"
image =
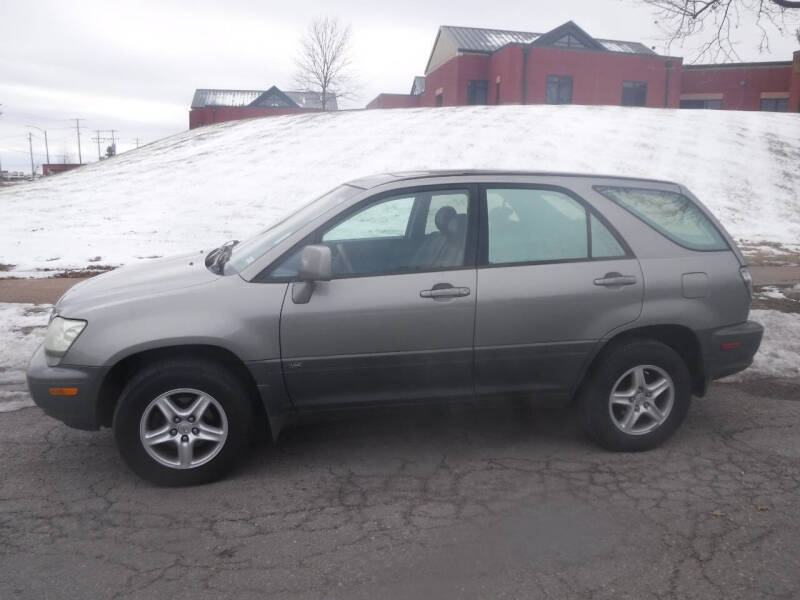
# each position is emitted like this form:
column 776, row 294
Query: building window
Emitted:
column 710, row 104
column 775, row 104
column 478, row 92
column 559, row 89
column 439, row 99
column 569, row 41
column 634, row 93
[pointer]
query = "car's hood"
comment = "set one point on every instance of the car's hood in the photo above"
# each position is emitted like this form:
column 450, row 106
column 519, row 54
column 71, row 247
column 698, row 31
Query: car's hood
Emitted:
column 145, row 278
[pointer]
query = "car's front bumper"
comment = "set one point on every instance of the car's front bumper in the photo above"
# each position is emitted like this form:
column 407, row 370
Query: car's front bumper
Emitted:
column 731, row 349
column 79, row 410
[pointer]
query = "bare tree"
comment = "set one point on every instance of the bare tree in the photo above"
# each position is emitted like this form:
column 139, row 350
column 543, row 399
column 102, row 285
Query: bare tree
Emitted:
column 324, row 62
column 715, row 21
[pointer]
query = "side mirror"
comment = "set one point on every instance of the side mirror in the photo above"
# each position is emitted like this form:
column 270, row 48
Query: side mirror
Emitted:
column 315, row 265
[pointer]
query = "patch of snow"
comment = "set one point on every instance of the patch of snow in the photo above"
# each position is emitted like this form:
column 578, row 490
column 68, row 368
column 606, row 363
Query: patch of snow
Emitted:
column 770, row 291
column 200, row 188
column 779, row 355
column 22, row 329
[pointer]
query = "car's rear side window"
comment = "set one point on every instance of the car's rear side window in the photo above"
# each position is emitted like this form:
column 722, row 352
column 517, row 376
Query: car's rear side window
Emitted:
column 534, row 225
column 671, row 214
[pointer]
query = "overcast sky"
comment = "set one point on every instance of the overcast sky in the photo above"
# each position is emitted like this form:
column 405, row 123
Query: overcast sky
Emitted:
column 133, row 66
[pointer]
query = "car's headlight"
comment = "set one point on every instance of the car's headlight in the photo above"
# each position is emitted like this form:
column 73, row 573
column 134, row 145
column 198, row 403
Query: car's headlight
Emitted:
column 61, row 334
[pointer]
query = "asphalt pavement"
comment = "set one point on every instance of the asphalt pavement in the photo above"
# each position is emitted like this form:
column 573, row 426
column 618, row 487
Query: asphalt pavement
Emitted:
column 464, row 501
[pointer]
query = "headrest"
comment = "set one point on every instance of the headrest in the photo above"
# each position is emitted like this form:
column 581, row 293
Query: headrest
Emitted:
column 443, row 217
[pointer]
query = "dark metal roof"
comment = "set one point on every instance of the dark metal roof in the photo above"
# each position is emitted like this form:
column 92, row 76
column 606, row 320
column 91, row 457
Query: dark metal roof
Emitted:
column 372, row 181
column 418, row 87
column 274, row 98
column 312, row 100
column 204, row 98
column 780, row 63
column 627, row 47
column 238, row 98
column 475, row 39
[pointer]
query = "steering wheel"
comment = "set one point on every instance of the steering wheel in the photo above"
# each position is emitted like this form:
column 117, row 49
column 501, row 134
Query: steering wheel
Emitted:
column 345, row 259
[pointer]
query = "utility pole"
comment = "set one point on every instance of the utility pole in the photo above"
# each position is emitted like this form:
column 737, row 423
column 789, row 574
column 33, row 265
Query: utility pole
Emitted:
column 102, row 139
column 97, row 139
column 30, row 147
column 78, row 128
column 46, row 147
column 113, row 142
column 137, row 142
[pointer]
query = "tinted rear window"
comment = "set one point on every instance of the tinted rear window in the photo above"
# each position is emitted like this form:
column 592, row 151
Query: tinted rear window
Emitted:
column 671, row 214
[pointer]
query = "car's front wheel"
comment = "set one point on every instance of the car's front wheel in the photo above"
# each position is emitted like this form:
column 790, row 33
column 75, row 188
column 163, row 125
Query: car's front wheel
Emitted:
column 637, row 395
column 182, row 422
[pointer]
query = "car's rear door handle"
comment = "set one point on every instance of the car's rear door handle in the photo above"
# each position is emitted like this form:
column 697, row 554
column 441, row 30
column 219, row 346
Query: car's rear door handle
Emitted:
column 444, row 290
column 615, row 279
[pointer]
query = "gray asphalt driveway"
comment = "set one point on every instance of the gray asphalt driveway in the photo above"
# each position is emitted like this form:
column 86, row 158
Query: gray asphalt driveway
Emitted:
column 462, row 502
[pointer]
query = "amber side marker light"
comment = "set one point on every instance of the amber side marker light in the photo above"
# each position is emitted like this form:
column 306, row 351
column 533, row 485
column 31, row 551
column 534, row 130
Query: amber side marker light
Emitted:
column 63, row 391
column 731, row 345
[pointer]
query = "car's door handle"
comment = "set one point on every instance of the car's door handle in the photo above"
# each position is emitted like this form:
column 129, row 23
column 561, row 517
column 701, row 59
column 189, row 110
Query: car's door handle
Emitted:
column 444, row 291
column 615, row 279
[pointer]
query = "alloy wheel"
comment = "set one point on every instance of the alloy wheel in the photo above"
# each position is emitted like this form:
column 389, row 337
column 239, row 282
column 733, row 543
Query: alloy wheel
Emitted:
column 641, row 399
column 183, row 428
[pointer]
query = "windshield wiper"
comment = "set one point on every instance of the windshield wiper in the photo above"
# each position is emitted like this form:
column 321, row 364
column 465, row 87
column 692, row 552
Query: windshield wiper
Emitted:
column 217, row 258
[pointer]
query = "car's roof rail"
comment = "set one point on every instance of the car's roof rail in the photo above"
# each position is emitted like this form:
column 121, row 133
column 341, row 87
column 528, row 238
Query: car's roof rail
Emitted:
column 371, row 181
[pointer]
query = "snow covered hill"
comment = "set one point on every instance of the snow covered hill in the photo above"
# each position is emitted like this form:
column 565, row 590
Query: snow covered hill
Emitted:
column 200, row 188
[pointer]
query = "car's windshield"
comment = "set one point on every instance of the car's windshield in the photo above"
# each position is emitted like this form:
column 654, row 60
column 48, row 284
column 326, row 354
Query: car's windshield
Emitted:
column 248, row 251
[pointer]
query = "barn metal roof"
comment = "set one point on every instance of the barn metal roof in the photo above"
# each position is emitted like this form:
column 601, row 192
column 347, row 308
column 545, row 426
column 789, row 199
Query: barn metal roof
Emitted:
column 238, row 98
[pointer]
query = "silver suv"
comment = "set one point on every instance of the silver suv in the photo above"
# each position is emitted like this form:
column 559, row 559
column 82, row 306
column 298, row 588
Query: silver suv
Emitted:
column 623, row 295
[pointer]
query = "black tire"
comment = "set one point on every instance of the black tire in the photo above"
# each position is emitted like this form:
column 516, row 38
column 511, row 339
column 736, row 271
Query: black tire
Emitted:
column 612, row 364
column 158, row 378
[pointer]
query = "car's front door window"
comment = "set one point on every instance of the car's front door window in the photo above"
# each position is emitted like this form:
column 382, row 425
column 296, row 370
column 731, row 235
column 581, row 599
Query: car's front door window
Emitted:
column 405, row 233
column 388, row 219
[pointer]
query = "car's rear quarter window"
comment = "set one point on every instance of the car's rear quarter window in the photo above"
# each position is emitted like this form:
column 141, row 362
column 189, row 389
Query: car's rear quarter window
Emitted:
column 673, row 215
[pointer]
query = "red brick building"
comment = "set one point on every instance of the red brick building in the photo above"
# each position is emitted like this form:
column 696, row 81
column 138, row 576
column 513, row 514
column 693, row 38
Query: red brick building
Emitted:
column 56, row 168
column 568, row 66
column 216, row 106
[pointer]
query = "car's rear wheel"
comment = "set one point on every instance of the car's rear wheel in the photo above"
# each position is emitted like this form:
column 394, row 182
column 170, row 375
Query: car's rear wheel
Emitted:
column 637, row 396
column 183, row 422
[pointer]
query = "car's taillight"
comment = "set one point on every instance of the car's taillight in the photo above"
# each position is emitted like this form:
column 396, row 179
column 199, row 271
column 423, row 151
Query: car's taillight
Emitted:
column 747, row 279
